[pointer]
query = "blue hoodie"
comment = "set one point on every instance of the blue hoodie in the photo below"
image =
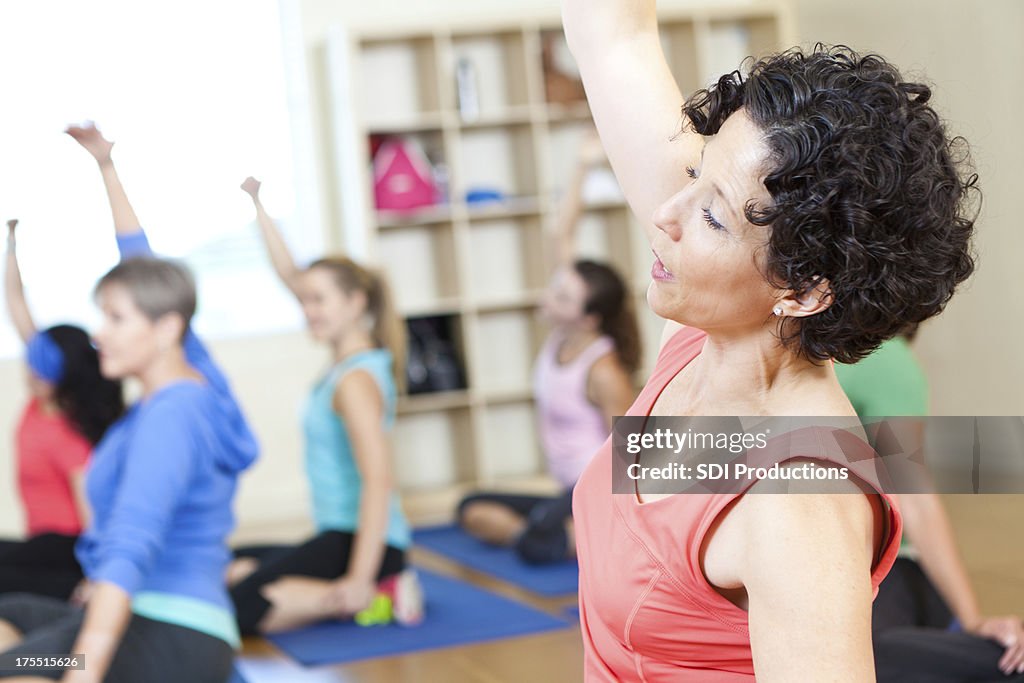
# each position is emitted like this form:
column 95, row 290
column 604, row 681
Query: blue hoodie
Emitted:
column 161, row 485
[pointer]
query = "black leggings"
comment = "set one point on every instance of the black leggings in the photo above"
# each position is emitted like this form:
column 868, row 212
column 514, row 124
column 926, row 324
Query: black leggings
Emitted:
column 520, row 504
column 544, row 540
column 912, row 645
column 43, row 565
column 151, row 651
column 325, row 556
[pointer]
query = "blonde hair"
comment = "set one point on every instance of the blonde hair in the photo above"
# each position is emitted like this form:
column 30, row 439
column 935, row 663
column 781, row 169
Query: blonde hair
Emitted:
column 388, row 331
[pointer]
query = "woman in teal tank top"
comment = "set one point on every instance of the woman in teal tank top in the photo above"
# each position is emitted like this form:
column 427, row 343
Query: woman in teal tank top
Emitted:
column 359, row 549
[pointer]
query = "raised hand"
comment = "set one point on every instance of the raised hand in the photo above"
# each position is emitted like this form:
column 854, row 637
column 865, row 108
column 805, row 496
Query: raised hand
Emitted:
column 251, row 186
column 89, row 137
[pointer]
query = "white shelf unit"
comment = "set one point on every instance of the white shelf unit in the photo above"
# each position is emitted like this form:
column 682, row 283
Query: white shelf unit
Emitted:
column 483, row 264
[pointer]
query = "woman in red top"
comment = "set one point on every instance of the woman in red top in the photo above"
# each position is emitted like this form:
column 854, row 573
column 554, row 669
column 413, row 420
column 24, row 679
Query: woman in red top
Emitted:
column 70, row 407
column 802, row 213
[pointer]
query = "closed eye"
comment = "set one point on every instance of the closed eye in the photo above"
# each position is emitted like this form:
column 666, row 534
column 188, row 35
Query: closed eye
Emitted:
column 710, row 220
column 691, row 171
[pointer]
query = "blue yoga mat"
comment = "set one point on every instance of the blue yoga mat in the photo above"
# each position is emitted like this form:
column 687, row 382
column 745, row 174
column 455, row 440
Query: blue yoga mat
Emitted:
column 457, row 613
column 557, row 579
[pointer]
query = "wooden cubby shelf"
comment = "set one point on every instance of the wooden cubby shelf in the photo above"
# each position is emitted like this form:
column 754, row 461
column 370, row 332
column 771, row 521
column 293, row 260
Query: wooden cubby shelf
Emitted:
column 427, row 403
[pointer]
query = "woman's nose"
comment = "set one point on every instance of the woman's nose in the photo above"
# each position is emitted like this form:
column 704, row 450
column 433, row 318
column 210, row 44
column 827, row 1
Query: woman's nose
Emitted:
column 668, row 216
column 99, row 336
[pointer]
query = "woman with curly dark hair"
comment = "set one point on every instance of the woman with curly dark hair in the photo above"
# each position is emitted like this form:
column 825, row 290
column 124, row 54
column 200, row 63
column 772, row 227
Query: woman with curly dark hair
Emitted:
column 70, row 407
column 806, row 212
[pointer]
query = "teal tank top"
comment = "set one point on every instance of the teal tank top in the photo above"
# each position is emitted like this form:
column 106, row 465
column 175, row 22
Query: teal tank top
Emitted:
column 334, row 478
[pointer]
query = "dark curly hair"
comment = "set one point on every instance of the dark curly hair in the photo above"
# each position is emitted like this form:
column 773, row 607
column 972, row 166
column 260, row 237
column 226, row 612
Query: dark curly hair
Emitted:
column 89, row 401
column 868, row 192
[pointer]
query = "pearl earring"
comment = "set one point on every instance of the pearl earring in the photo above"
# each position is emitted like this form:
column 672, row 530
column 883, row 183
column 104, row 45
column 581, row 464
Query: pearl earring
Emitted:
column 777, row 310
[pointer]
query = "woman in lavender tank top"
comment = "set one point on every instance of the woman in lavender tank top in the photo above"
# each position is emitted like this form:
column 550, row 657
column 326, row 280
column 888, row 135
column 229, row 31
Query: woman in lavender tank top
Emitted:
column 581, row 381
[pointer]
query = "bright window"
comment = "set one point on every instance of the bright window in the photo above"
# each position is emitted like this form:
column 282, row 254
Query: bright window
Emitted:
column 194, row 95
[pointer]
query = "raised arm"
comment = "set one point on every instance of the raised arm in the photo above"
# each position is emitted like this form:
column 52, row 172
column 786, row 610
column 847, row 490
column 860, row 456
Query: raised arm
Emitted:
column 132, row 240
column 634, row 98
column 562, row 237
column 125, row 220
column 277, row 248
column 14, row 292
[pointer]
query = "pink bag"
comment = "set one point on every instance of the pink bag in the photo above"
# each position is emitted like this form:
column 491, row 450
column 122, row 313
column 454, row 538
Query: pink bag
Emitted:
column 402, row 177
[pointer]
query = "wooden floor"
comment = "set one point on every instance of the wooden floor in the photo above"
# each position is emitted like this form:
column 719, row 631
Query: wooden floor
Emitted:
column 989, row 530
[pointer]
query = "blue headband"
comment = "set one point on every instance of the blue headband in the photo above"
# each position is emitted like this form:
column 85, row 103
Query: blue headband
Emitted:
column 45, row 358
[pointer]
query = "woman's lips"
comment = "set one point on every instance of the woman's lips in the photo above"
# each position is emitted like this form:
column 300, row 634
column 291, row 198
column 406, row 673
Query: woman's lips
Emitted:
column 659, row 272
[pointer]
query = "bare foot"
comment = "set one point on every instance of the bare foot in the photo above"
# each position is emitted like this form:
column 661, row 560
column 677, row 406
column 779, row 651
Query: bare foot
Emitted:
column 9, row 636
column 492, row 523
column 296, row 601
column 240, row 569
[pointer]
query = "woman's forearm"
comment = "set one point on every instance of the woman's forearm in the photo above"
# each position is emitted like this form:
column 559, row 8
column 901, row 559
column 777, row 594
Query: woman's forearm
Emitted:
column 928, row 527
column 106, row 618
column 125, row 220
column 370, row 540
column 14, row 294
column 564, row 231
column 277, row 249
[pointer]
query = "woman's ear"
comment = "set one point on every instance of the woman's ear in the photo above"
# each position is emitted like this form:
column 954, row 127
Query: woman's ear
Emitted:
column 812, row 300
column 359, row 301
column 170, row 329
column 592, row 321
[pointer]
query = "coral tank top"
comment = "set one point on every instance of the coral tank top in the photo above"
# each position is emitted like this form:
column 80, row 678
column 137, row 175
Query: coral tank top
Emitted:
column 647, row 613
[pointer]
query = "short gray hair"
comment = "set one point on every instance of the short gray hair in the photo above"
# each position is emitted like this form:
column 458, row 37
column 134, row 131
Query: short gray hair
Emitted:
column 157, row 286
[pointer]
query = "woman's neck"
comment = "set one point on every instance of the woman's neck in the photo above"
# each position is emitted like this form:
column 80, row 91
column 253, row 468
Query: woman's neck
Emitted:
column 170, row 367
column 574, row 340
column 350, row 343
column 579, row 335
column 49, row 406
column 754, row 371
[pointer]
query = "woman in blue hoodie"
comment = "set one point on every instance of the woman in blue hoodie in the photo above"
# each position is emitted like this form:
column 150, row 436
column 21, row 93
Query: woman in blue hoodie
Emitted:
column 160, row 484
